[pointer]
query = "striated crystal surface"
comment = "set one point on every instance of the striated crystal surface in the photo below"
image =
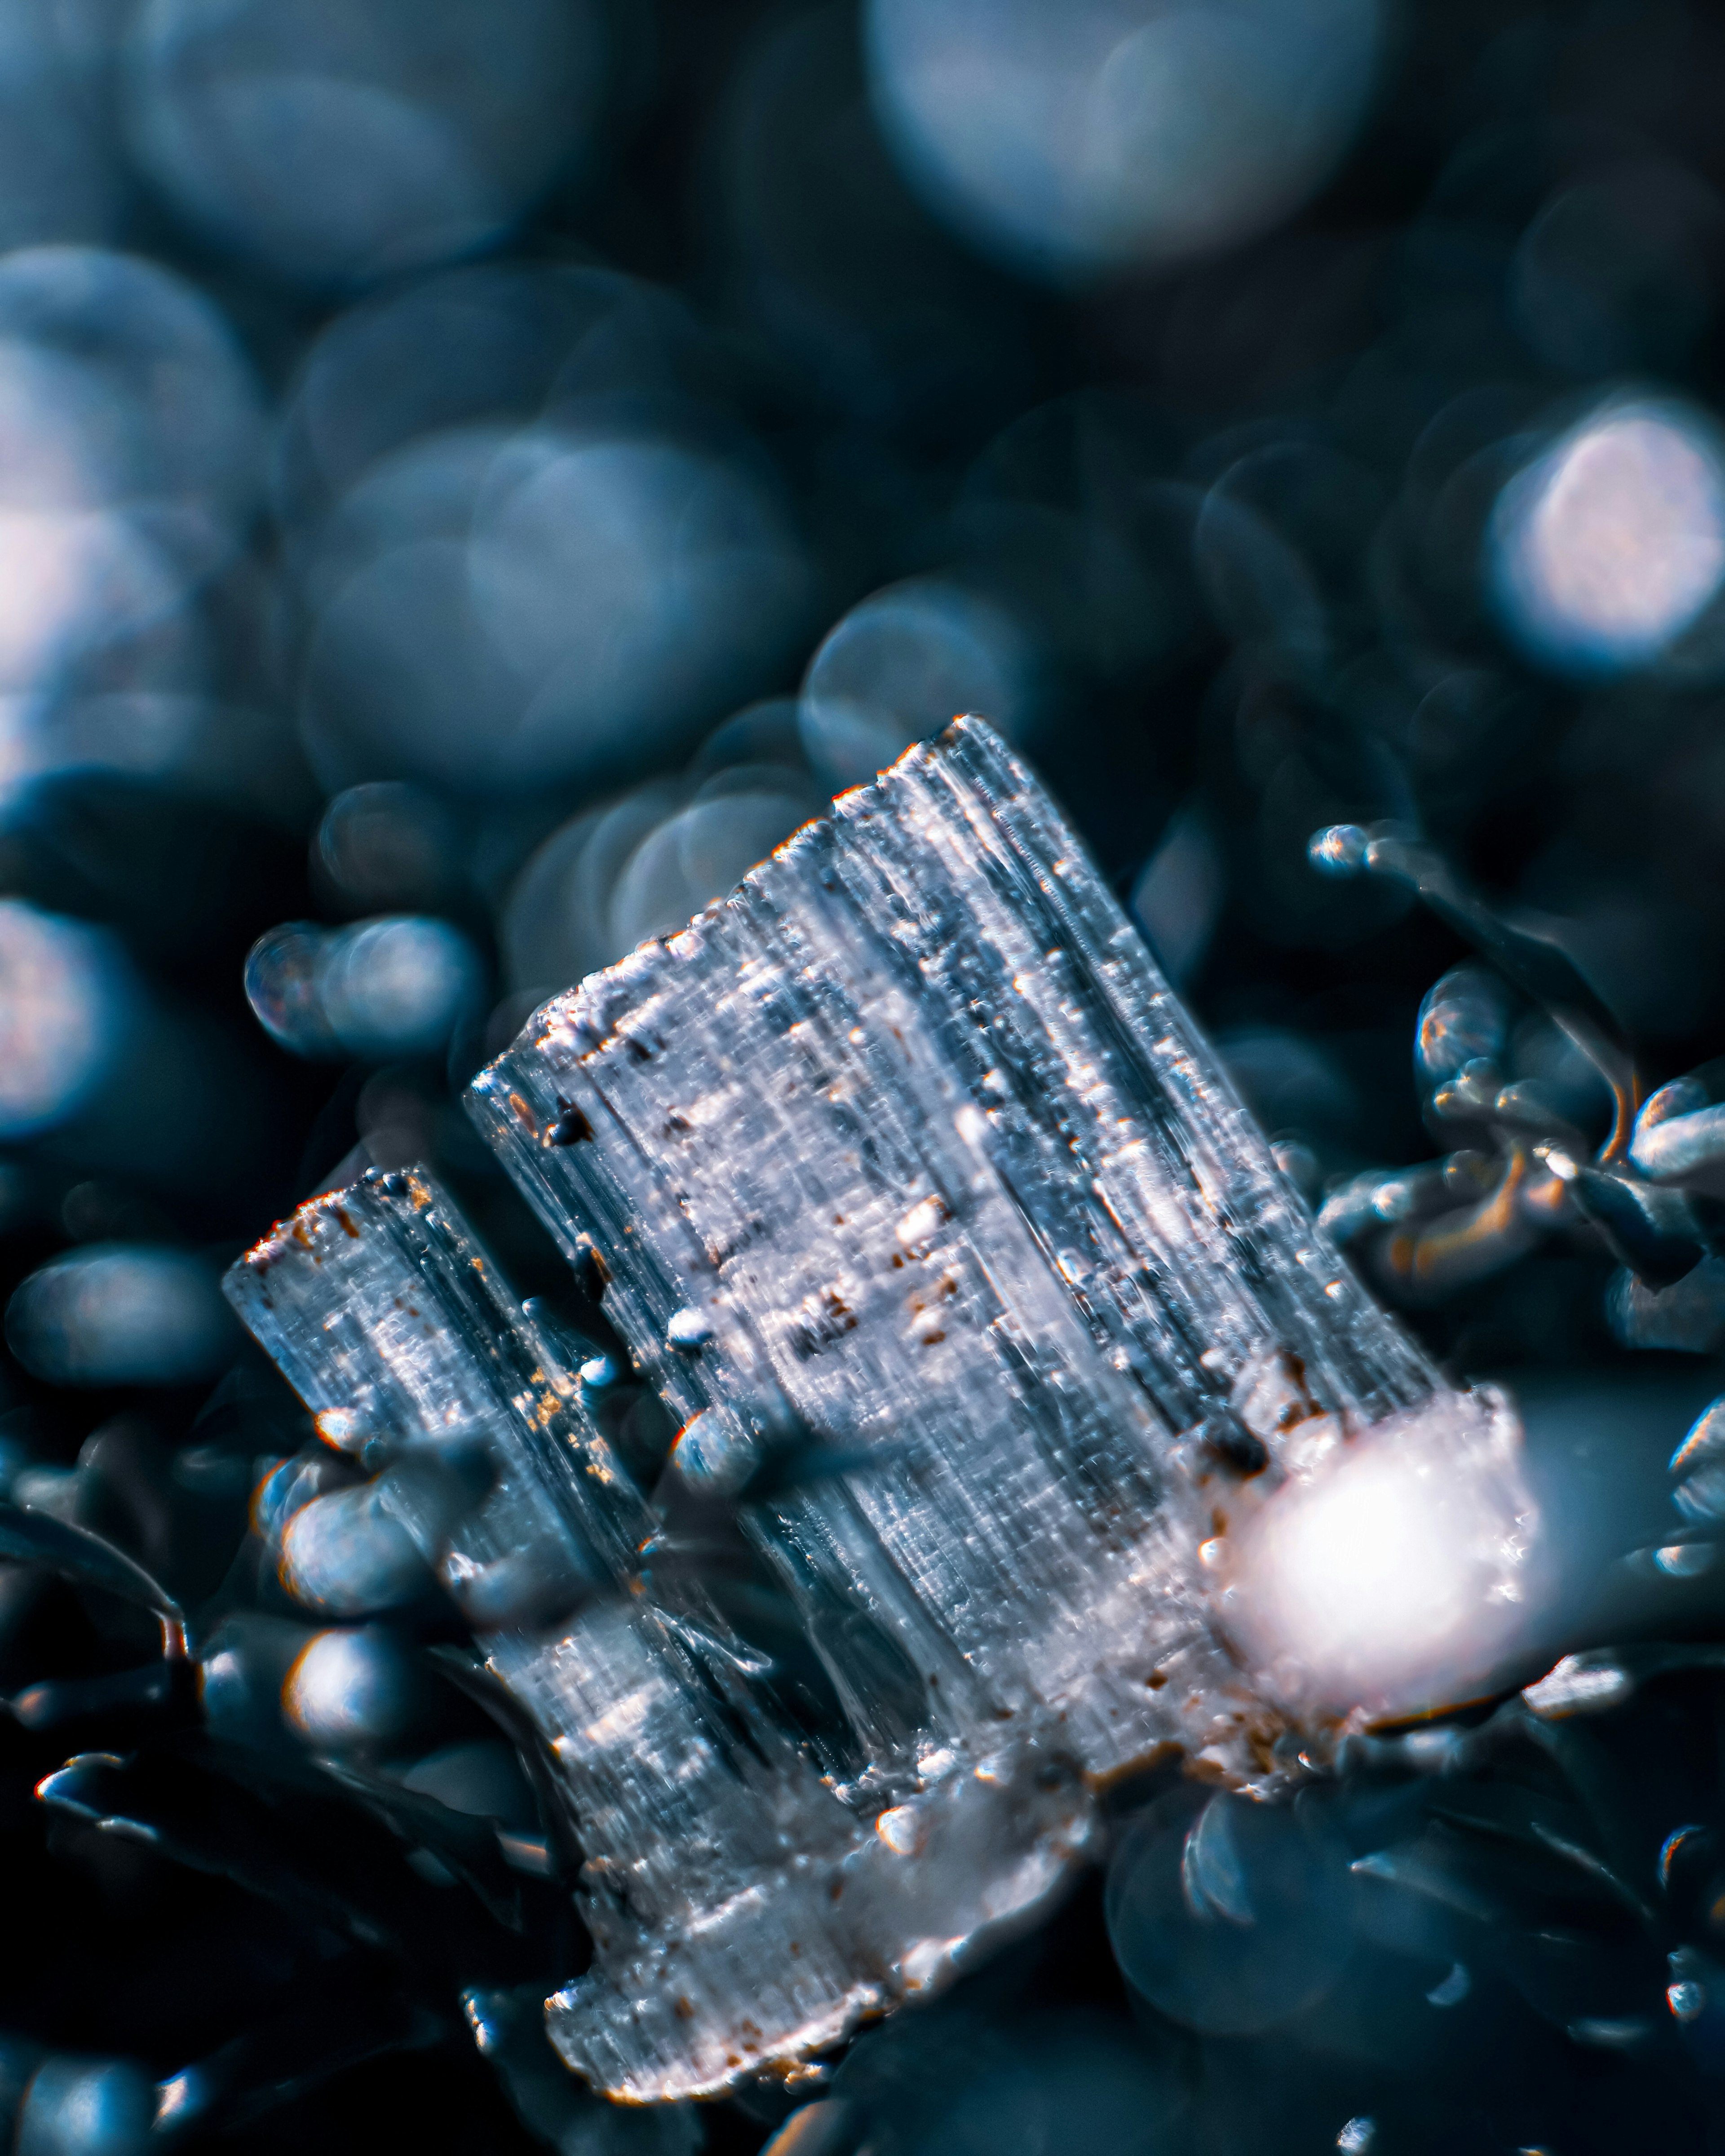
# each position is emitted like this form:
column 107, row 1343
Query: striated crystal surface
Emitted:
column 984, row 1311
column 742, row 1912
column 394, row 1329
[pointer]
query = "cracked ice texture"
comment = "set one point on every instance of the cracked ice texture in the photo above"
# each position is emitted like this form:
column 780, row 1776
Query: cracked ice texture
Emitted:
column 981, row 1300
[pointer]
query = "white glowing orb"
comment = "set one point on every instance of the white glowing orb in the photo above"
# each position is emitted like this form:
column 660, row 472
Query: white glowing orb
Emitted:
column 901, row 664
column 120, row 1314
column 350, row 1687
column 1605, row 550
column 1073, row 139
column 73, row 569
column 1393, row 1578
column 397, row 985
column 60, row 993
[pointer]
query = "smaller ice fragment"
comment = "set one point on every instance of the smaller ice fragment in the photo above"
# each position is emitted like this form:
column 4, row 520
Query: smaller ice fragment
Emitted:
column 742, row 1909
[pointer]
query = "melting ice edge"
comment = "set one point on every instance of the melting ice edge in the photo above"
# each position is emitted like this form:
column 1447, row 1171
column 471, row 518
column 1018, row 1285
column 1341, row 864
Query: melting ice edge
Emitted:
column 988, row 1319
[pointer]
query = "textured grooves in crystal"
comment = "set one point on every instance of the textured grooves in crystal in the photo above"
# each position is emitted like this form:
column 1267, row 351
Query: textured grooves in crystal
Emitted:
column 947, row 1197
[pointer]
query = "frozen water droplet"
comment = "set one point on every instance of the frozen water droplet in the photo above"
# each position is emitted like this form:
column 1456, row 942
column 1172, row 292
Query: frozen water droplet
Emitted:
column 901, row 1829
column 1464, row 1018
column 1279, row 1883
column 1705, row 1443
column 709, row 1456
column 1670, row 1846
column 345, row 1429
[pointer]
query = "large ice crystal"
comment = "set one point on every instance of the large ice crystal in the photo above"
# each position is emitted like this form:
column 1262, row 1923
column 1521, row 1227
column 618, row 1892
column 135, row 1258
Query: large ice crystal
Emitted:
column 985, row 1313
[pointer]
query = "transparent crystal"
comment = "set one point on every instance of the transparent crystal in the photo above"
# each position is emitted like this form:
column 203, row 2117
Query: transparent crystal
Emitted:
column 986, row 1314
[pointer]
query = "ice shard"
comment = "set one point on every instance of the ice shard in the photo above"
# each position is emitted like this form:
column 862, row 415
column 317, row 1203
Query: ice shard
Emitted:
column 986, row 1315
column 745, row 1912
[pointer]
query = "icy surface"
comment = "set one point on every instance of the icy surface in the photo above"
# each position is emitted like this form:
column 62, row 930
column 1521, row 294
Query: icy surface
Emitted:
column 985, row 1312
column 742, row 1911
